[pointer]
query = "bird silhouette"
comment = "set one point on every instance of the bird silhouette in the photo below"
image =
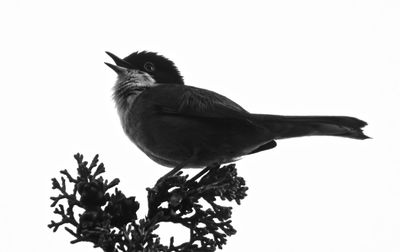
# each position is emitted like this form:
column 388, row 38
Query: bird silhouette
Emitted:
column 182, row 126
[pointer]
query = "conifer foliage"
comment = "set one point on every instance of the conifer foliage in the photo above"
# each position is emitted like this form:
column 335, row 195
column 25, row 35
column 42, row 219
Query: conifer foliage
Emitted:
column 91, row 211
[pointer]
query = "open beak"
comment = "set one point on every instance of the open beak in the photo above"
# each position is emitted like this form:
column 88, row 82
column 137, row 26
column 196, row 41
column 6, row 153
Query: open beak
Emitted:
column 118, row 61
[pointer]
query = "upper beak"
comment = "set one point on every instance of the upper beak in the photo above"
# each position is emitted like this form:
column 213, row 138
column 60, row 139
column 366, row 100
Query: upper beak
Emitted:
column 118, row 61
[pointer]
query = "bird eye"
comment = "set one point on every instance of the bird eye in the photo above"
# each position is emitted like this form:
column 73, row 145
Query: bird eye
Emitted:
column 148, row 66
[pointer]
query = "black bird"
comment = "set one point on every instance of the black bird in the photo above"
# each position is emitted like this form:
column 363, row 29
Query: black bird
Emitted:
column 183, row 126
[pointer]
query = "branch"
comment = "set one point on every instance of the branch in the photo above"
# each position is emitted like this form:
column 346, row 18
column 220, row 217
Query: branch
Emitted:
column 109, row 220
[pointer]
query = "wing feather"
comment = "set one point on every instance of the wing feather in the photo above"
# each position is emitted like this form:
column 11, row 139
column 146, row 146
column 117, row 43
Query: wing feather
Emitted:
column 192, row 101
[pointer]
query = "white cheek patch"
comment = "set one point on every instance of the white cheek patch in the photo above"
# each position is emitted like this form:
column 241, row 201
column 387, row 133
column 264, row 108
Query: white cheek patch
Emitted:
column 140, row 79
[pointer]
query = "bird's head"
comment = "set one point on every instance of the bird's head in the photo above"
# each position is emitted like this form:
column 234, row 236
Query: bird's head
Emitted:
column 161, row 69
column 138, row 72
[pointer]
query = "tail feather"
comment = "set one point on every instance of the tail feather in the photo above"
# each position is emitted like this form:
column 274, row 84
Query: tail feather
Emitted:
column 297, row 126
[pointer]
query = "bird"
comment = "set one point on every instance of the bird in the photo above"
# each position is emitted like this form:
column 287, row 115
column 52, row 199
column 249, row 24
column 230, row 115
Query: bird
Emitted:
column 182, row 126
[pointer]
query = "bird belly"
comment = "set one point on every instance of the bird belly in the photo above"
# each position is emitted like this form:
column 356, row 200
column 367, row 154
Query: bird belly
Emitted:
column 172, row 140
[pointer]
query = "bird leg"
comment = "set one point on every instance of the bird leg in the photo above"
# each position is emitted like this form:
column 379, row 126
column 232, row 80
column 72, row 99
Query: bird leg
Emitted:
column 204, row 171
column 176, row 169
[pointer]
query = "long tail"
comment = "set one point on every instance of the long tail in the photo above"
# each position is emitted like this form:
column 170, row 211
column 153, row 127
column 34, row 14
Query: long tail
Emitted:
column 297, row 126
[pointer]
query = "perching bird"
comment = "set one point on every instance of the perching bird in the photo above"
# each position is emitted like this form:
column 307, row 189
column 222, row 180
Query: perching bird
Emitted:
column 187, row 127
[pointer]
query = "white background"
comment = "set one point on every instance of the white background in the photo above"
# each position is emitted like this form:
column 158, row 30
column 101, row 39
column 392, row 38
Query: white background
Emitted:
column 277, row 57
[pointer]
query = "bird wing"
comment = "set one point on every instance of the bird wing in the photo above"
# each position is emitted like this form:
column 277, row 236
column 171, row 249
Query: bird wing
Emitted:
column 205, row 116
column 191, row 101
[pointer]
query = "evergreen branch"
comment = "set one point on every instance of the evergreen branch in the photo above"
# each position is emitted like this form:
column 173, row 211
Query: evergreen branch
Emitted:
column 109, row 220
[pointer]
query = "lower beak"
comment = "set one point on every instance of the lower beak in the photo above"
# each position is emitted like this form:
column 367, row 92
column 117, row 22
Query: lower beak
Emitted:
column 118, row 69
